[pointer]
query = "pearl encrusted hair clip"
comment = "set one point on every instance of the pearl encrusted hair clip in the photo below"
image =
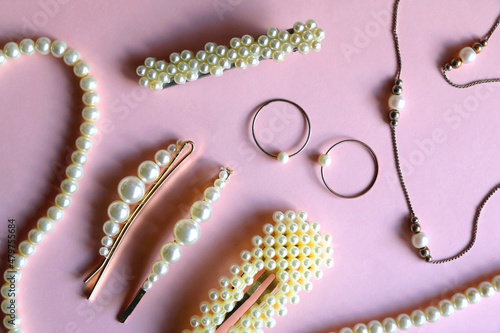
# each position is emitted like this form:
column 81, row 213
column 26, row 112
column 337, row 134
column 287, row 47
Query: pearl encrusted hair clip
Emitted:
column 293, row 250
column 186, row 232
column 74, row 172
column 242, row 52
column 132, row 192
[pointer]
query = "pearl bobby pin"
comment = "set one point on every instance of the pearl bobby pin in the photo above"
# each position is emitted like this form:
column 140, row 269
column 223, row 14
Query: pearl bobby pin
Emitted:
column 132, row 191
column 293, row 250
column 74, row 172
column 186, row 233
column 242, row 52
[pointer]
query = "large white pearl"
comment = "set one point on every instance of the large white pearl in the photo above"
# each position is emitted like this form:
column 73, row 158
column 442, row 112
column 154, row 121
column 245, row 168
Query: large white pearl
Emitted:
column 63, row 200
column 11, row 50
column 79, row 157
column 432, row 314
column 111, row 228
column 171, row 252
column 36, row 236
column 88, row 83
column 118, row 211
column 27, row 46
column 201, row 211
column 283, row 157
column 396, row 102
column 69, row 186
column 54, row 213
column 324, row 160
column 45, row 225
column 131, row 189
column 88, row 129
column 42, row 45
column 187, row 232
column 467, row 54
column 74, row 172
column 81, row 68
column 211, row 195
column 27, row 249
column 71, row 57
column 459, row 301
column 390, row 325
column 58, row 48
column 162, row 157
column 404, row 322
column 446, row 308
column 420, row 240
column 90, row 113
column 90, row 98
column 148, row 171
column 418, row 318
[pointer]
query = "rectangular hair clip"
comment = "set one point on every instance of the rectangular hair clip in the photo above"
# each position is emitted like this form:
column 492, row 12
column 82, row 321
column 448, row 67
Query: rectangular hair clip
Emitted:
column 242, row 52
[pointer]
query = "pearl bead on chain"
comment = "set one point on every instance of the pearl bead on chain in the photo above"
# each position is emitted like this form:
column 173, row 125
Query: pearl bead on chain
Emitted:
column 187, row 231
column 243, row 52
column 74, row 171
column 431, row 314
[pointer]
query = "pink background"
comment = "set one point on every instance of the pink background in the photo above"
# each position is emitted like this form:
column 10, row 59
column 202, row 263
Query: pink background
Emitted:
column 376, row 272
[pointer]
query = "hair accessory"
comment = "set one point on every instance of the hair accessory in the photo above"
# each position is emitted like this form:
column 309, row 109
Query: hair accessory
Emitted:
column 283, row 157
column 244, row 51
column 293, row 251
column 325, row 160
column 132, row 191
column 74, row 172
column 186, row 232
column 419, row 239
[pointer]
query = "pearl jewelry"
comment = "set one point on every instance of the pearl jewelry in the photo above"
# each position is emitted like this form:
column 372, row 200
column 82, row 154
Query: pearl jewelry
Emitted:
column 187, row 232
column 45, row 225
column 131, row 189
column 283, row 157
column 162, row 157
column 213, row 60
column 324, row 160
column 118, row 211
column 467, row 55
column 88, row 83
column 396, row 102
column 12, row 51
column 70, row 58
column 260, row 315
column 148, row 171
column 419, row 240
column 81, row 68
column 27, row 249
column 27, row 47
column 201, row 211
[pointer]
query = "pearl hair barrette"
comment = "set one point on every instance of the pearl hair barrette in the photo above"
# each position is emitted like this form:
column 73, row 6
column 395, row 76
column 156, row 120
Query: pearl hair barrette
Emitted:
column 186, row 233
column 325, row 160
column 242, row 52
column 293, row 250
column 132, row 192
column 74, row 172
column 282, row 157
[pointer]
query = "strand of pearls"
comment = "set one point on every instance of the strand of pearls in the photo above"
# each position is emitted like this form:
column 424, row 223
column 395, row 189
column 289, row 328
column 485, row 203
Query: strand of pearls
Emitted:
column 294, row 250
column 187, row 231
column 74, row 171
column 432, row 314
column 243, row 52
column 132, row 190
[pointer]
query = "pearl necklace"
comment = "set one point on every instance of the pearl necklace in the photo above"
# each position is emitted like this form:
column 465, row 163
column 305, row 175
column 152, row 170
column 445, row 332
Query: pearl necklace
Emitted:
column 74, row 171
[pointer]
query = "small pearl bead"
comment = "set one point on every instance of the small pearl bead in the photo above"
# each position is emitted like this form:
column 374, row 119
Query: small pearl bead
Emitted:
column 187, row 232
column 468, row 55
column 375, row 326
column 55, row 214
column 19, row 261
column 324, row 160
column 131, row 189
column 27, row 249
column 211, row 195
column 81, row 68
column 219, row 184
column 446, row 308
column 42, row 45
column 360, row 328
column 160, row 268
column 283, row 157
column 74, row 172
column 390, row 325
column 90, row 113
column 10, row 323
column 88, row 129
column 171, row 252
column 71, row 57
column 90, row 98
column 346, row 330
column 107, row 241
column 45, row 225
column 153, row 277
column 147, row 285
column 419, row 240
column 418, row 318
column 27, row 46
column 118, row 211
column 201, row 211
column 432, row 314
column 58, row 48
column 473, row 295
column 148, row 171
column 69, row 186
column 83, row 143
column 496, row 283
column 63, row 201
column 404, row 322
column 396, row 102
column 162, row 157
column 111, row 228
column 35, row 236
column 11, row 51
column 486, row 289
column 459, row 301
column 88, row 83
column 104, row 251
column 79, row 157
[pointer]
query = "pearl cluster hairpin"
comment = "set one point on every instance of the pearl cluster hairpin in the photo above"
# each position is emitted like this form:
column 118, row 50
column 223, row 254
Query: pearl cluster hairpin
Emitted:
column 186, row 232
column 293, row 250
column 243, row 52
column 132, row 192
column 432, row 314
column 74, row 172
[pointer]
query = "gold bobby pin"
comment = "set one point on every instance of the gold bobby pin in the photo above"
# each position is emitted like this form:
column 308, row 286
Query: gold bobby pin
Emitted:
column 132, row 190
